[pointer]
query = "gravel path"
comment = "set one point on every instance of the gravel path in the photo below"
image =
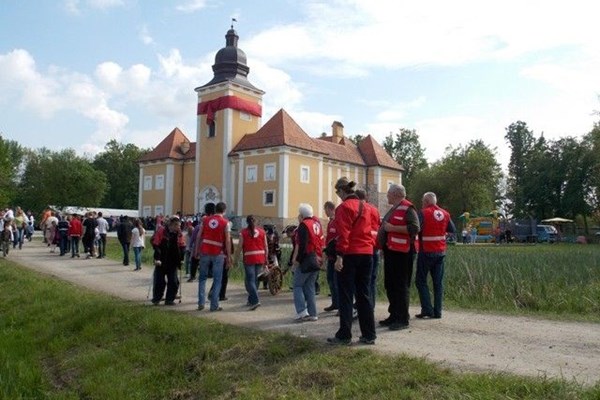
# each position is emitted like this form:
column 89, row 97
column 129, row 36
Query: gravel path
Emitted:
column 465, row 341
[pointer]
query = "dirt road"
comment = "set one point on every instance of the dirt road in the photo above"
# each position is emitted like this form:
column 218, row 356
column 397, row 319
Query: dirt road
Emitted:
column 465, row 341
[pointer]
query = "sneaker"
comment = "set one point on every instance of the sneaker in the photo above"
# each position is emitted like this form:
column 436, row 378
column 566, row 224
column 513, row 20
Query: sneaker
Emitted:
column 397, row 326
column 330, row 308
column 217, row 309
column 337, row 341
column 200, row 307
column 300, row 316
column 169, row 303
column 423, row 316
column 191, row 279
column 385, row 322
column 254, row 306
column 364, row 340
column 223, row 298
column 310, row 318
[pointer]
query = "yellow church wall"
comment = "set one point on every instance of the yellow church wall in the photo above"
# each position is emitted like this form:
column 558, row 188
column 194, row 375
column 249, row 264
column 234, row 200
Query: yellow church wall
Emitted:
column 301, row 192
column 253, row 192
column 389, row 176
column 183, row 187
column 153, row 197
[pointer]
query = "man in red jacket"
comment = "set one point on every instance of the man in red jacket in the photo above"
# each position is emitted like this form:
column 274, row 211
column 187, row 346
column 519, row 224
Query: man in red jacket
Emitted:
column 353, row 264
column 435, row 223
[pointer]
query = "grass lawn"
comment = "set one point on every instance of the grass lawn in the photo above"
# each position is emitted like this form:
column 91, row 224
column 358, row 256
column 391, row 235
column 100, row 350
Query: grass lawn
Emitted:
column 58, row 341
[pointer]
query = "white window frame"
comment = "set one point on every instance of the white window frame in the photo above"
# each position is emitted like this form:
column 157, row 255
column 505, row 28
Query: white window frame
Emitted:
column 148, row 182
column 147, row 211
column 244, row 116
column 264, row 198
column 274, row 177
column 159, row 182
column 302, row 169
column 248, row 177
column 158, row 210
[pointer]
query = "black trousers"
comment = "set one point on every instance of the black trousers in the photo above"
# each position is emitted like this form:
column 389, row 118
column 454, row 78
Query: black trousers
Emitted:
column 353, row 282
column 398, row 270
column 172, row 284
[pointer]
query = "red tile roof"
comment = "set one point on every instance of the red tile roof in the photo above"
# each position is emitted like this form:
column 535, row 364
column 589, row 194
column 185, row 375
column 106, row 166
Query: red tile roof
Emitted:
column 169, row 148
column 280, row 130
column 374, row 154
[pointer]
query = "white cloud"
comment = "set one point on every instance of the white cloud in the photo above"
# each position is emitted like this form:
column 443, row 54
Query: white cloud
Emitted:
column 72, row 6
column 192, row 6
column 145, row 36
column 105, row 4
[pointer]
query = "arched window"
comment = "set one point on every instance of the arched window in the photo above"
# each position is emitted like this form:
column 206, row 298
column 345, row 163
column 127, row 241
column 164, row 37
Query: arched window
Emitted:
column 211, row 129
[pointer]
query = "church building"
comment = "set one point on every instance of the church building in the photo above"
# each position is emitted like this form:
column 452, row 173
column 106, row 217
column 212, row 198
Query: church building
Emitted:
column 265, row 170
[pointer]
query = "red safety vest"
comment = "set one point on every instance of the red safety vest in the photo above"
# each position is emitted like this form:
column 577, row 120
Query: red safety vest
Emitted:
column 254, row 246
column 213, row 235
column 433, row 233
column 315, row 236
column 399, row 241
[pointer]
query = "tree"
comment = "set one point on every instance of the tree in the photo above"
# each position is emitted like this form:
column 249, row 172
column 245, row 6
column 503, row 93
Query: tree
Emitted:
column 465, row 179
column 119, row 164
column 11, row 158
column 520, row 140
column 406, row 149
column 60, row 178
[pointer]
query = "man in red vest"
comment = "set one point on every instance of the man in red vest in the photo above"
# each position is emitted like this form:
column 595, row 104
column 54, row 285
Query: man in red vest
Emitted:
column 214, row 250
column 435, row 223
column 401, row 226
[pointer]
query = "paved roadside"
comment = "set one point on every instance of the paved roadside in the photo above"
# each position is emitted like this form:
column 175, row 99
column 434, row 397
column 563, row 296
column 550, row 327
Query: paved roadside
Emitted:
column 465, row 341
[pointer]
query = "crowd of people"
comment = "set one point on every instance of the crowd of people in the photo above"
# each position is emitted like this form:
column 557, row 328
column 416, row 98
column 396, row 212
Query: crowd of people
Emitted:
column 348, row 248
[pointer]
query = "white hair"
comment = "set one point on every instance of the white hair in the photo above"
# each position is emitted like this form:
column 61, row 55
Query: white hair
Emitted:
column 305, row 210
column 397, row 190
column 431, row 197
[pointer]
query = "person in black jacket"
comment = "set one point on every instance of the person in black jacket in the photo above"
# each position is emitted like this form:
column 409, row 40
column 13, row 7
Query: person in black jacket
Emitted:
column 169, row 250
column 124, row 230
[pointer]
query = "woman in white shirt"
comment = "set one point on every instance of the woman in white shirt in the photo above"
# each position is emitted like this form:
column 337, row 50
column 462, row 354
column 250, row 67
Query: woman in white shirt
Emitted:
column 138, row 241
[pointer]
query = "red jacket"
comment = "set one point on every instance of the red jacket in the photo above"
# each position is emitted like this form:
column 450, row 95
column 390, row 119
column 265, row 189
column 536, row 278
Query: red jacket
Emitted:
column 75, row 228
column 354, row 230
column 435, row 225
column 254, row 246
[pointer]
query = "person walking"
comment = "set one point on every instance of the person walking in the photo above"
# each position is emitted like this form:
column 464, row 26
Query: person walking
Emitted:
column 435, row 223
column 214, row 250
column 103, row 231
column 353, row 264
column 309, row 242
column 330, row 241
column 124, row 235
column 169, row 249
column 63, row 231
column 89, row 233
column 253, row 246
column 138, row 242
column 400, row 226
column 75, row 232
column 209, row 209
column 375, row 223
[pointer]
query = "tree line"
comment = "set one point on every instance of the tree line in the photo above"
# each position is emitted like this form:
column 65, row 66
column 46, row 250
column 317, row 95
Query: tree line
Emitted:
column 545, row 178
column 35, row 179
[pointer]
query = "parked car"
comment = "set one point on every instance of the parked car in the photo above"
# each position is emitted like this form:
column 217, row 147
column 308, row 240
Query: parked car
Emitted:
column 546, row 233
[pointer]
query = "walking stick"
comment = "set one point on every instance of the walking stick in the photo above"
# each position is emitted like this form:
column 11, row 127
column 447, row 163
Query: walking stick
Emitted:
column 180, row 277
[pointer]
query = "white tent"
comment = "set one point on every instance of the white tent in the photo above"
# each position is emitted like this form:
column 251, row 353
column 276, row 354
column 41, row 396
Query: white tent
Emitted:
column 557, row 220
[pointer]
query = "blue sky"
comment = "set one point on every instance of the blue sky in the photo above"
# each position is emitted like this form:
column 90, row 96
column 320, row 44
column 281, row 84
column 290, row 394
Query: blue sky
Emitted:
column 77, row 73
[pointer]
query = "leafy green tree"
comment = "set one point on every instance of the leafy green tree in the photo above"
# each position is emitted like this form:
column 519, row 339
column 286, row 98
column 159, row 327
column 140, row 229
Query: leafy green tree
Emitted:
column 60, row 178
column 406, row 149
column 465, row 179
column 119, row 164
column 11, row 158
column 520, row 140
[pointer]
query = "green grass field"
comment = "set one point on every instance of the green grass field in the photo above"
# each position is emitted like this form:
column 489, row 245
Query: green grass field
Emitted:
column 58, row 341
column 553, row 281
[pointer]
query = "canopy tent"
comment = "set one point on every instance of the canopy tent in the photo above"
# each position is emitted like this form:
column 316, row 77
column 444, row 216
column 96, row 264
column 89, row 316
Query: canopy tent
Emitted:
column 557, row 220
column 107, row 212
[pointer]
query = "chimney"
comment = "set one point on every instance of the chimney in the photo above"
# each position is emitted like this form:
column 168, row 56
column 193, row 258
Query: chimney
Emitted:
column 337, row 131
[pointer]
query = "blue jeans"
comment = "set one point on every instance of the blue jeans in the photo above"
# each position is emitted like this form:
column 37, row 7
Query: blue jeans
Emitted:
column 19, row 238
column 217, row 263
column 304, row 292
column 74, row 246
column 137, row 255
column 250, row 281
column 332, row 282
column 434, row 264
column 64, row 242
column 353, row 281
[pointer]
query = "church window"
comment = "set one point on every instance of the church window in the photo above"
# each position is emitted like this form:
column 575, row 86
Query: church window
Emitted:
column 305, row 174
column 211, row 129
column 147, row 211
column 159, row 182
column 148, row 182
column 269, row 172
column 251, row 173
column 268, row 197
column 158, row 210
column 245, row 116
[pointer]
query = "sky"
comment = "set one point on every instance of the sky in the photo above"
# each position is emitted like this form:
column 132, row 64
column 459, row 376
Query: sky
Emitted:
column 78, row 73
